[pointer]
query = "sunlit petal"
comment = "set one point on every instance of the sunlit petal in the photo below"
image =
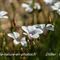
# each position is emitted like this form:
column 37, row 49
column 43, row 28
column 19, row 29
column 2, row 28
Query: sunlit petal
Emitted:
column 31, row 28
column 40, row 26
column 39, row 31
column 16, row 42
column 54, row 8
column 34, row 36
column 23, row 42
column 16, row 34
column 24, row 28
column 3, row 16
column 24, row 5
column 37, row 6
column 50, row 27
column 57, row 4
column 2, row 13
column 29, row 9
column 11, row 35
column 25, row 33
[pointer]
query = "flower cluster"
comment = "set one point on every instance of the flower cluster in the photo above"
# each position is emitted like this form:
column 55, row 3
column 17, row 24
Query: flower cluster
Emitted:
column 33, row 31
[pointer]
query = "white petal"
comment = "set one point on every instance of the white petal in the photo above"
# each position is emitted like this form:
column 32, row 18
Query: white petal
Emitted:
column 28, row 28
column 25, row 33
column 29, row 9
column 34, row 36
column 2, row 13
column 11, row 35
column 39, row 31
column 54, row 8
column 57, row 4
column 36, row 25
column 3, row 16
column 25, row 29
column 37, row 6
column 42, row 26
column 50, row 27
column 16, row 42
column 16, row 34
column 31, row 28
column 24, row 5
column 23, row 41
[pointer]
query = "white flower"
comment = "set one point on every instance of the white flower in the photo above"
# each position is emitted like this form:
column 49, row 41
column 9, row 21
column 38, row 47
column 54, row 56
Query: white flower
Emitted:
column 31, row 31
column 57, row 4
column 3, row 14
column 22, row 41
column 17, row 41
column 56, row 7
column 50, row 27
column 14, row 35
column 44, row 26
column 24, row 5
column 28, row 7
column 40, row 26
